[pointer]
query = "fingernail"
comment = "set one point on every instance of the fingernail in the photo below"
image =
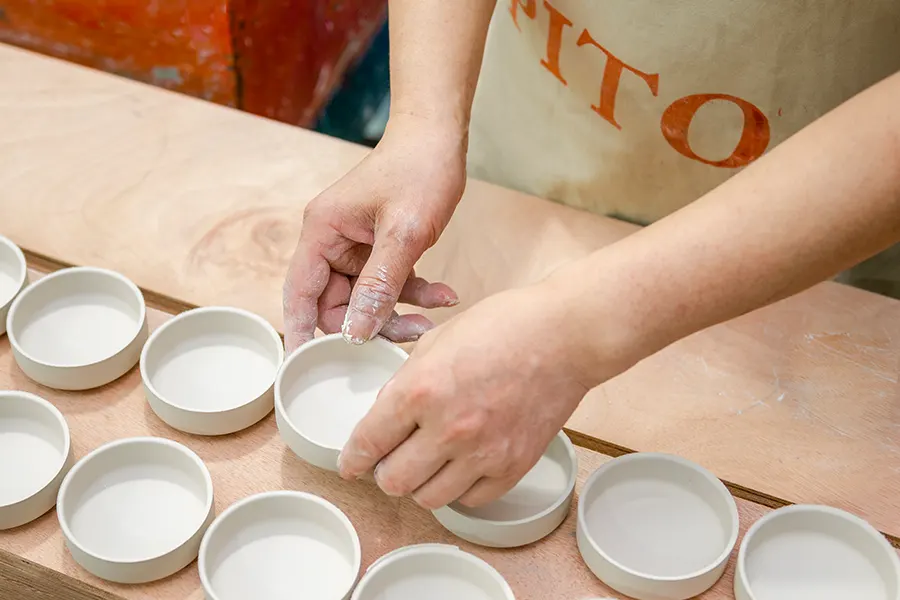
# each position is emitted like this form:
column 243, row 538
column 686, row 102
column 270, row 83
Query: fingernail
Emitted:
column 358, row 328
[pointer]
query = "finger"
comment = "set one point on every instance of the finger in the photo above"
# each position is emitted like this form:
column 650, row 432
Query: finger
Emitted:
column 306, row 279
column 487, row 490
column 406, row 328
column 387, row 424
column 450, row 483
column 419, row 292
column 410, row 465
column 397, row 248
column 333, row 303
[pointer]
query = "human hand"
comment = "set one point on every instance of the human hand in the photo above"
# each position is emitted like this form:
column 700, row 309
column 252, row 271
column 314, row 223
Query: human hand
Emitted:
column 479, row 400
column 362, row 236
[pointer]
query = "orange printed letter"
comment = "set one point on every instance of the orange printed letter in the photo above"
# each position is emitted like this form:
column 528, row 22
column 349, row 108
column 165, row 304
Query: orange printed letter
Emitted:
column 676, row 121
column 558, row 22
column 528, row 6
column 612, row 74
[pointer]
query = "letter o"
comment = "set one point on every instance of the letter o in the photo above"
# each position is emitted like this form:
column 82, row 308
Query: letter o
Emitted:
column 676, row 121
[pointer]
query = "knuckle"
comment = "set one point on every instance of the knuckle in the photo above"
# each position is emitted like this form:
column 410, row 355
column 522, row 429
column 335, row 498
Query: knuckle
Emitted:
column 465, row 428
column 411, row 232
column 373, row 293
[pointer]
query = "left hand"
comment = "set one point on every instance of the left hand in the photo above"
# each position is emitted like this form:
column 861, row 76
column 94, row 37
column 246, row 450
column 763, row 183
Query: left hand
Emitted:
column 478, row 401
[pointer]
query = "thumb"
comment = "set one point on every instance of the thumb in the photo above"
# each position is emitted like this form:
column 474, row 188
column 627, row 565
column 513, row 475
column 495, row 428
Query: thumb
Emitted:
column 397, row 248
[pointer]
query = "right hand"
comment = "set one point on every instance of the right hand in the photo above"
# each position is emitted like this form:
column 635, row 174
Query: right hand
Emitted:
column 362, row 236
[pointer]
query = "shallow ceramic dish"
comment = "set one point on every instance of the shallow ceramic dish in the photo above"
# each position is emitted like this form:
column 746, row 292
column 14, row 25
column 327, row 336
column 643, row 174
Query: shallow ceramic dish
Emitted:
column 135, row 510
column 432, row 571
column 35, row 455
column 325, row 388
column 13, row 277
column 527, row 513
column 656, row 527
column 806, row 552
column 211, row 371
column 280, row 546
column 78, row 328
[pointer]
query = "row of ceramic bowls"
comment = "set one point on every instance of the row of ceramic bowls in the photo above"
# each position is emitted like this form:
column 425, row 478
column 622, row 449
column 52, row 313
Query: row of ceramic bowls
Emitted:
column 651, row 526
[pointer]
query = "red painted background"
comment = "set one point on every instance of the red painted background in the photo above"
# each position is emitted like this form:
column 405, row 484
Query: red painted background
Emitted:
column 276, row 58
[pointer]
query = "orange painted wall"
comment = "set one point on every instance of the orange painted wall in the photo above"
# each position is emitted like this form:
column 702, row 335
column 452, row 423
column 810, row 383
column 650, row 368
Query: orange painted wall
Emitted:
column 276, row 58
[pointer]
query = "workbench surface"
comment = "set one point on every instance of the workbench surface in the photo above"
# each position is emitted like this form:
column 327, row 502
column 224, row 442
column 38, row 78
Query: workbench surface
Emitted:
column 200, row 204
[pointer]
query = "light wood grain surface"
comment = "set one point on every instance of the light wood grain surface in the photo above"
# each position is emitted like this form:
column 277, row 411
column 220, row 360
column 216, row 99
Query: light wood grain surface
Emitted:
column 256, row 460
column 203, row 204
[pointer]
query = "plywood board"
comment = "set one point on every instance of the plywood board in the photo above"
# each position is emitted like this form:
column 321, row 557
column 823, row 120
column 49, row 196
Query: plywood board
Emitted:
column 203, row 204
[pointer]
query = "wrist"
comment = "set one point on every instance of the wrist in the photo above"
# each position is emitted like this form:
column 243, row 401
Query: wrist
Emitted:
column 444, row 132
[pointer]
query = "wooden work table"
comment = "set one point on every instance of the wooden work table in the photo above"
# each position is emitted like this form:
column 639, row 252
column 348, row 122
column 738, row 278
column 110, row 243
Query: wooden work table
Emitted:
column 200, row 204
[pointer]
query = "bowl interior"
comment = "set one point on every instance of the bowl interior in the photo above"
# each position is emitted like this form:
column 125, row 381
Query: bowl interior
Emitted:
column 547, row 483
column 433, row 575
column 34, row 445
column 75, row 318
column 280, row 547
column 135, row 500
column 328, row 386
column 212, row 360
column 818, row 555
column 12, row 272
column 659, row 518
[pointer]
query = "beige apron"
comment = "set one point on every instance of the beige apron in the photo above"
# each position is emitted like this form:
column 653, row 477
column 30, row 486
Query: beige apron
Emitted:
column 634, row 108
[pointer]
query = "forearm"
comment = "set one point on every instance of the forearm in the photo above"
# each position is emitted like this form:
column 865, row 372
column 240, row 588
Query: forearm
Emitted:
column 436, row 52
column 825, row 199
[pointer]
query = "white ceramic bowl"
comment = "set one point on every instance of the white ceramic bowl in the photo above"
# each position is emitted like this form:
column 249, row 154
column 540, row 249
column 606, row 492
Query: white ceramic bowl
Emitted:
column 13, row 277
column 78, row 328
column 325, row 388
column 432, row 571
column 807, row 552
column 135, row 510
column 532, row 510
column 211, row 371
column 35, row 455
column 656, row 527
column 280, row 546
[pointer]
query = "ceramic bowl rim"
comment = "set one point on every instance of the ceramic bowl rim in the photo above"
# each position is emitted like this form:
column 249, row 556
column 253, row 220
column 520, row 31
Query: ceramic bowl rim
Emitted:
column 660, row 456
column 433, row 548
column 75, row 272
column 20, row 256
column 112, row 446
column 194, row 313
column 60, row 420
column 562, row 499
column 862, row 525
column 296, row 495
column 330, row 338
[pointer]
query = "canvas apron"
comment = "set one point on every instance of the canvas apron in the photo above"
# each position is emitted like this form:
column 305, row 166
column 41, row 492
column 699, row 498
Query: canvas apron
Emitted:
column 634, row 108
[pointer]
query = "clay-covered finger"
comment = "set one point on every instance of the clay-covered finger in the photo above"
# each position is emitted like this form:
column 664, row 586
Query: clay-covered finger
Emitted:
column 305, row 281
column 333, row 303
column 397, row 248
column 401, row 329
column 419, row 292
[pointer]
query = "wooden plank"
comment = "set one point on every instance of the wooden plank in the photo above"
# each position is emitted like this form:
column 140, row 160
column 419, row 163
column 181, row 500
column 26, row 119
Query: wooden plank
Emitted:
column 256, row 460
column 202, row 205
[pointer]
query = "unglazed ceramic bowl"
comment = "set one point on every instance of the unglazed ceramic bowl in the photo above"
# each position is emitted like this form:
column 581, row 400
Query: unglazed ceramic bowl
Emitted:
column 78, row 328
column 325, row 388
column 211, row 371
